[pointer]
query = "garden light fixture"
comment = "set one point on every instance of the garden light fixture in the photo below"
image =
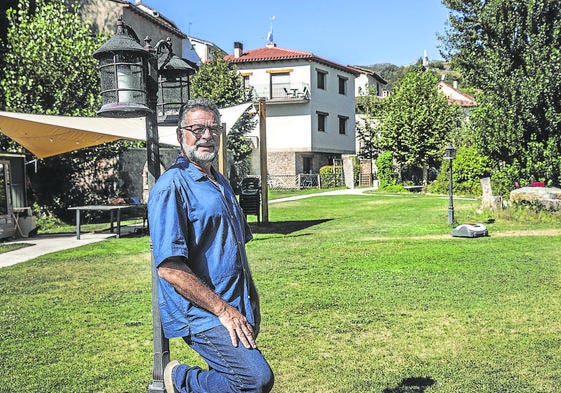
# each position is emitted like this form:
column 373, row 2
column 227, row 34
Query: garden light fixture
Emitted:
column 450, row 154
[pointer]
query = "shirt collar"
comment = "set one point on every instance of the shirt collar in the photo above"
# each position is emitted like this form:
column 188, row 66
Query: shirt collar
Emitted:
column 192, row 170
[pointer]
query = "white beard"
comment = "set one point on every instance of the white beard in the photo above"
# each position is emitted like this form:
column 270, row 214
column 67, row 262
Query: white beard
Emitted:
column 193, row 154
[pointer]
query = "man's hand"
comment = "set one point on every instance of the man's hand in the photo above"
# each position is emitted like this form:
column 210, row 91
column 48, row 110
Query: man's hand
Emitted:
column 177, row 273
column 238, row 327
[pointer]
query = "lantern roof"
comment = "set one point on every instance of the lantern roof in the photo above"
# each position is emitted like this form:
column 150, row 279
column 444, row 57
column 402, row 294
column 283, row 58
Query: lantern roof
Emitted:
column 177, row 66
column 124, row 40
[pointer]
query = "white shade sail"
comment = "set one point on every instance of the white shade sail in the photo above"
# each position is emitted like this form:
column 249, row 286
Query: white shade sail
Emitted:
column 46, row 135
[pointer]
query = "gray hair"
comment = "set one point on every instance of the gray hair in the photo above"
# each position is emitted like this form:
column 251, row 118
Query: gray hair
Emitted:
column 198, row 103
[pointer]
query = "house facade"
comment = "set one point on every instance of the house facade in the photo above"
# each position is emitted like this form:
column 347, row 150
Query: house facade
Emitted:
column 204, row 49
column 310, row 107
column 144, row 20
column 368, row 81
column 456, row 96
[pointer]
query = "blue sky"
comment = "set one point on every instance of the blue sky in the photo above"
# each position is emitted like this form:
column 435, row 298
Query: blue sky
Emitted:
column 355, row 32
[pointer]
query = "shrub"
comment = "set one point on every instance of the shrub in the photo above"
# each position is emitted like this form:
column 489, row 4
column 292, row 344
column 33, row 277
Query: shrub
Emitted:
column 467, row 170
column 387, row 173
column 331, row 176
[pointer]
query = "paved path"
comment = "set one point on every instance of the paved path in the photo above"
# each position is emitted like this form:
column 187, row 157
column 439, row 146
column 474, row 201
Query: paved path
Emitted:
column 46, row 244
column 348, row 191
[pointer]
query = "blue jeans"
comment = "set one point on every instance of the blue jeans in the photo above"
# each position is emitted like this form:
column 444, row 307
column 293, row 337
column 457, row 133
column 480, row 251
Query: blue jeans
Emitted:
column 231, row 369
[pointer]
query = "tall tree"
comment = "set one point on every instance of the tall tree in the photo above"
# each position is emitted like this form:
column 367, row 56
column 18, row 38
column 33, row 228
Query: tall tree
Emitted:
column 49, row 66
column 511, row 50
column 220, row 81
column 49, row 69
column 5, row 5
column 416, row 120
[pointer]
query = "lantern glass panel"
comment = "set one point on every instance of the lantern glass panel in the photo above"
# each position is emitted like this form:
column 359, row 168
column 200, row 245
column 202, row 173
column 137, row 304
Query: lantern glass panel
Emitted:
column 130, row 83
column 108, row 94
column 173, row 93
column 122, row 79
column 450, row 152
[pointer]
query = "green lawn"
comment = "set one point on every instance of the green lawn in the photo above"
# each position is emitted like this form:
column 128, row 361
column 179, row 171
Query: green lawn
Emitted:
column 359, row 294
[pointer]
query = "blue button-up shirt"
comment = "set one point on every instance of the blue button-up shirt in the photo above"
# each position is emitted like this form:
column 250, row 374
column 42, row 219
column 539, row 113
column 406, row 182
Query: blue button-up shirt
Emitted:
column 193, row 218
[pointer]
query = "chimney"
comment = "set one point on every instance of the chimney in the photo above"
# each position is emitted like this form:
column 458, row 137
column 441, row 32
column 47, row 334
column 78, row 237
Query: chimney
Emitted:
column 238, row 49
column 455, row 85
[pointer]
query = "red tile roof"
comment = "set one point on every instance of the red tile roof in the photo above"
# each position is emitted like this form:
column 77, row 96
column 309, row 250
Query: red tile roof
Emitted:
column 274, row 53
column 465, row 102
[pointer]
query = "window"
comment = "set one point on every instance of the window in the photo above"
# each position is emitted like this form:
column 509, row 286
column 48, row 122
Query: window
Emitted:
column 245, row 82
column 322, row 79
column 342, row 85
column 343, row 124
column 280, row 84
column 322, row 121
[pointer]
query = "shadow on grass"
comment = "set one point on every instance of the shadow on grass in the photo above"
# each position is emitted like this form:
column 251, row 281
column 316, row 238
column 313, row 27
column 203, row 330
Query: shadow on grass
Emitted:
column 411, row 385
column 284, row 227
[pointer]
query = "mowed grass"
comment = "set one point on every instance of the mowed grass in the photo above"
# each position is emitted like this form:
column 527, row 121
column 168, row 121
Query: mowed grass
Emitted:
column 363, row 293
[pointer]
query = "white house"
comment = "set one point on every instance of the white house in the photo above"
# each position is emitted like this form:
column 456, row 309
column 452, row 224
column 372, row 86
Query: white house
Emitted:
column 310, row 106
column 455, row 95
column 367, row 81
column 204, row 49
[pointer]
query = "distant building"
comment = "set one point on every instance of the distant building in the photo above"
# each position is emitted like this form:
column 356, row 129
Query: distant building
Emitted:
column 145, row 21
column 367, row 81
column 310, row 103
column 456, row 96
column 205, row 49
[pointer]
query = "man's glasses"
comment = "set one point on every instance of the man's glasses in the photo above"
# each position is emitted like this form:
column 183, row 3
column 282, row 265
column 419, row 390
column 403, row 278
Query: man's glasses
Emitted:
column 199, row 129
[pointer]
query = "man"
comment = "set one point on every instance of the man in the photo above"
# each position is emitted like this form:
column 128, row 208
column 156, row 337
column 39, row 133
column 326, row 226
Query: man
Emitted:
column 206, row 293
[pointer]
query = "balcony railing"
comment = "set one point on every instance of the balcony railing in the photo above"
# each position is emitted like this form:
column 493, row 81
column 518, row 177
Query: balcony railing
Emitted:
column 298, row 92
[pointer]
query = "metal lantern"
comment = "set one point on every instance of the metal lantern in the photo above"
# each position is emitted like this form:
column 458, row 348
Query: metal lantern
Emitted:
column 123, row 65
column 449, row 152
column 173, row 83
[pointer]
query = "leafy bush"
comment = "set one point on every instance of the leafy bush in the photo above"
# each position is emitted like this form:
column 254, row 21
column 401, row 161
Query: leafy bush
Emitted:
column 331, row 176
column 45, row 218
column 387, row 174
column 467, row 170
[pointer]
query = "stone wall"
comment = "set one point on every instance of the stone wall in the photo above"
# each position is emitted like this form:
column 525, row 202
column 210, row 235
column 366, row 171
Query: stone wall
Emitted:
column 291, row 163
column 281, row 163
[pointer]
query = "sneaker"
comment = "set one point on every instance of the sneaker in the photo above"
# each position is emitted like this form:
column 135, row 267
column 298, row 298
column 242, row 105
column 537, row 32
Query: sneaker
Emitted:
column 168, row 379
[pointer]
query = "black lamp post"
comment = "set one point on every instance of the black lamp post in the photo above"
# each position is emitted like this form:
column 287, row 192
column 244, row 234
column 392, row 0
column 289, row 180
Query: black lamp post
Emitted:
column 450, row 154
column 131, row 76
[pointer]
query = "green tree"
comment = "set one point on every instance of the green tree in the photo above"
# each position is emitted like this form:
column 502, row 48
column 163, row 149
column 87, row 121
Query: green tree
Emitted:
column 49, row 66
column 5, row 5
column 49, row 69
column 511, row 50
column 416, row 120
column 220, row 81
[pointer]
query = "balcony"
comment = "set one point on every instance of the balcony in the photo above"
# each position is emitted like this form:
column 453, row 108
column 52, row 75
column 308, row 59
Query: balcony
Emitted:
column 296, row 93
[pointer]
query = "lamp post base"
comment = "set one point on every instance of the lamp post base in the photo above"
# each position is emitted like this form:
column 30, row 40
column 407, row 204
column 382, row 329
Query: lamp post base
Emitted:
column 450, row 215
column 157, row 387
